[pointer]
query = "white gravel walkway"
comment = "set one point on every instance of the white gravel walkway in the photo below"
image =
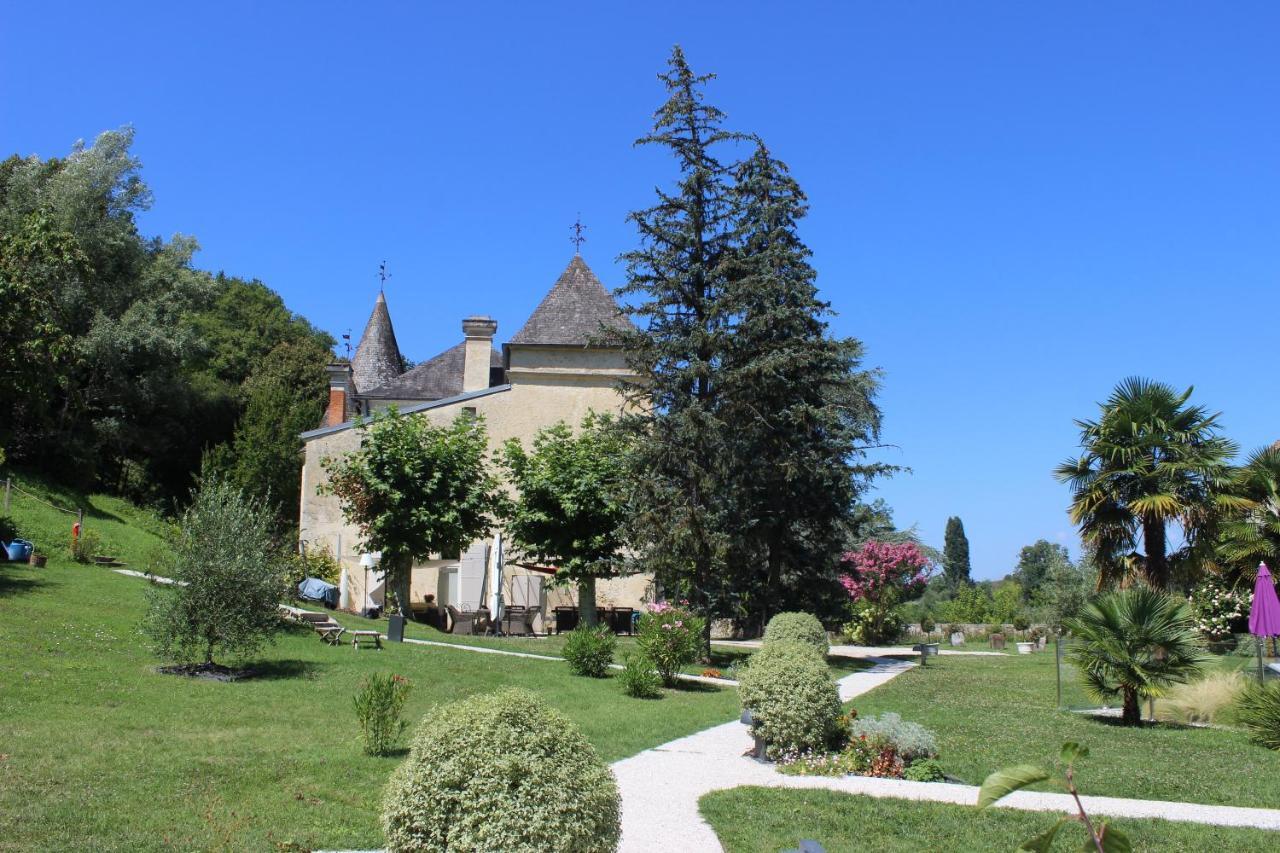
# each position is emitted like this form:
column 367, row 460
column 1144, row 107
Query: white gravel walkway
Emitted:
column 661, row 786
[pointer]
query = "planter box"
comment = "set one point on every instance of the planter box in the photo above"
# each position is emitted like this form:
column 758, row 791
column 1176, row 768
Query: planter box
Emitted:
column 1026, row 648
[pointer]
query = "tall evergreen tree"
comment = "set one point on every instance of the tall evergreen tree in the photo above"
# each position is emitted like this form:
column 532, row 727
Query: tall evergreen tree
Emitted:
column 684, row 522
column 801, row 411
column 955, row 553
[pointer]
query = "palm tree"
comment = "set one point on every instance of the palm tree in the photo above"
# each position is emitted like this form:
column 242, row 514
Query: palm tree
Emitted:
column 1251, row 534
column 1134, row 643
column 1149, row 461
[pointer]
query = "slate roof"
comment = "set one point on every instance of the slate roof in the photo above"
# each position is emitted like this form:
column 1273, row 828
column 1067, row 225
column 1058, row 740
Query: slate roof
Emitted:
column 436, row 378
column 377, row 360
column 573, row 312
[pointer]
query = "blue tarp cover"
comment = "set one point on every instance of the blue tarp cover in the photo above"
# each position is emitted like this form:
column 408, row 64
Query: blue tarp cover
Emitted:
column 314, row 589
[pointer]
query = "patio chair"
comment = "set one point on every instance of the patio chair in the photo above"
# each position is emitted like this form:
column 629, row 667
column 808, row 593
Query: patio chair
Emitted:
column 459, row 622
column 513, row 619
column 621, row 620
column 566, row 618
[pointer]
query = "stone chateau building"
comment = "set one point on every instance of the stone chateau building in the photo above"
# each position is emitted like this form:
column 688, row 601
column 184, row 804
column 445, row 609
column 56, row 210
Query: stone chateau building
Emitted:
column 547, row 372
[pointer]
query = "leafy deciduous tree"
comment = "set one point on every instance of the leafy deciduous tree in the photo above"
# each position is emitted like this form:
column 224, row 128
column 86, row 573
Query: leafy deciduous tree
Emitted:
column 568, row 508
column 414, row 490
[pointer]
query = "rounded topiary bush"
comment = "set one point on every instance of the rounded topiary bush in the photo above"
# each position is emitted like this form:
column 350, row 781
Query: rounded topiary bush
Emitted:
column 501, row 771
column 794, row 704
column 797, row 627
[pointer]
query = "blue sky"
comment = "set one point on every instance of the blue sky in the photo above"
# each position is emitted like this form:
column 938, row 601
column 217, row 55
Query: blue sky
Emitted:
column 1014, row 205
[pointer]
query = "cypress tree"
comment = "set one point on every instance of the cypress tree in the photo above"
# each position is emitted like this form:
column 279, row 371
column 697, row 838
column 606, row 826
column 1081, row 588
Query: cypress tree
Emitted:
column 955, row 553
column 801, row 411
column 683, row 520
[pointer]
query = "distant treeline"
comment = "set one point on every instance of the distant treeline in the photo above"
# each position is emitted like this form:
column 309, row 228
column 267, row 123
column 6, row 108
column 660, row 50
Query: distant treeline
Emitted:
column 122, row 366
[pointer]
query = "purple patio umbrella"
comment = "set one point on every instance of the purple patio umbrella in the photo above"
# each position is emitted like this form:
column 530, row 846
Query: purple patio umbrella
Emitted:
column 1264, row 614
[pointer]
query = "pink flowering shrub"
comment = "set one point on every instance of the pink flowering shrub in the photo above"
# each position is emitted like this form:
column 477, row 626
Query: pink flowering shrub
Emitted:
column 670, row 637
column 878, row 576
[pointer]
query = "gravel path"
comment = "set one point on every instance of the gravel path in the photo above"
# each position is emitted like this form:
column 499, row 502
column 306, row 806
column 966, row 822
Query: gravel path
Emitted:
column 661, row 786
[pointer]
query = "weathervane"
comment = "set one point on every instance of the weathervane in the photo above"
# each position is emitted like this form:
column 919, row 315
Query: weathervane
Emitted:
column 383, row 275
column 577, row 239
column 346, row 341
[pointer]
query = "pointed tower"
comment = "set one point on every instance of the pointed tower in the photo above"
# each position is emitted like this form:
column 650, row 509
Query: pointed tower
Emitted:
column 377, row 360
column 573, row 313
column 558, row 347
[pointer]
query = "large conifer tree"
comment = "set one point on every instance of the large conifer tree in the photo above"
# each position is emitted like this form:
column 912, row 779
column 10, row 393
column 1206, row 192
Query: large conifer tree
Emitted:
column 802, row 412
column 683, row 516
column 749, row 417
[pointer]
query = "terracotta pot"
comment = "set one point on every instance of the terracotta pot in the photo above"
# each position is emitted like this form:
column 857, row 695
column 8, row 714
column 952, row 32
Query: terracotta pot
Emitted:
column 37, row 560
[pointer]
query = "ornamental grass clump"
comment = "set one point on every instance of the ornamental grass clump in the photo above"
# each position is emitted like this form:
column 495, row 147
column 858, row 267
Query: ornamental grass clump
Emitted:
column 379, row 703
column 797, row 627
column 501, row 771
column 671, row 637
column 589, row 651
column 794, row 704
column 639, row 679
column 1202, row 701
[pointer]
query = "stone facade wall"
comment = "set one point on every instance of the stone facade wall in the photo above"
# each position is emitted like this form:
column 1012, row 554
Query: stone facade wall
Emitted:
column 548, row 384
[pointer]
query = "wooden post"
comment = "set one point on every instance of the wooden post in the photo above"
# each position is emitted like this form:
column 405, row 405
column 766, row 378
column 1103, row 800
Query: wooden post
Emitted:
column 1057, row 658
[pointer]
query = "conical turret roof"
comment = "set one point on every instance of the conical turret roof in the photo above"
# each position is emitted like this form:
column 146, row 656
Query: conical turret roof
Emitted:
column 573, row 313
column 377, row 360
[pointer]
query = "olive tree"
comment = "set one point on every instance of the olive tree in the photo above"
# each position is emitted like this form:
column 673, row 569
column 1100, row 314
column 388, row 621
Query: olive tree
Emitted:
column 228, row 579
column 414, row 489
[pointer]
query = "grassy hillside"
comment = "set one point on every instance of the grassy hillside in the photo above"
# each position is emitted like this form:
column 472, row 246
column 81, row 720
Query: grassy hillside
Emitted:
column 98, row 751
column 126, row 531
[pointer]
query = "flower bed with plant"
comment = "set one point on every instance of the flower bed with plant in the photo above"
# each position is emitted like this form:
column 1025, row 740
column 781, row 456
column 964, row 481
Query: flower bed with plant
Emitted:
column 886, row 747
column 670, row 637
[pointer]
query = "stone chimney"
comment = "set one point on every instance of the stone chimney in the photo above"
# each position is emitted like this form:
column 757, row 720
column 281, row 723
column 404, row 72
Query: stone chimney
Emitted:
column 341, row 390
column 479, row 332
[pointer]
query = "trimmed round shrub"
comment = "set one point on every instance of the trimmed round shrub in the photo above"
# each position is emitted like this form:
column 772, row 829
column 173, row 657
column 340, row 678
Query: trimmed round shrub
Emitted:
column 794, row 704
column 797, row 627
column 501, row 771
column 589, row 651
column 640, row 678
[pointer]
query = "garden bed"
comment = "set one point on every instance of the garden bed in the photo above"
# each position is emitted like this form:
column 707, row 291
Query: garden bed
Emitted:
column 993, row 712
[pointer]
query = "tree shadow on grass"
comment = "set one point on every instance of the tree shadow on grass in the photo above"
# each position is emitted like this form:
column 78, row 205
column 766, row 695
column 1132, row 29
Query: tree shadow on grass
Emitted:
column 10, row 585
column 685, row 685
column 279, row 669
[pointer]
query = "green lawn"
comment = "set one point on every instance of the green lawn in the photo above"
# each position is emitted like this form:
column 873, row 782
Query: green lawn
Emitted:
column 99, row 752
column 722, row 657
column 990, row 712
column 766, row 820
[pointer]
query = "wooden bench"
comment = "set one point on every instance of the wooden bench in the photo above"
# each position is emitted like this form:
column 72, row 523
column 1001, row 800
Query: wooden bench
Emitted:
column 330, row 632
column 356, row 636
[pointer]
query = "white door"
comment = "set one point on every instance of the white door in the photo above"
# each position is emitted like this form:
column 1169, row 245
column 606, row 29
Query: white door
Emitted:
column 448, row 589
